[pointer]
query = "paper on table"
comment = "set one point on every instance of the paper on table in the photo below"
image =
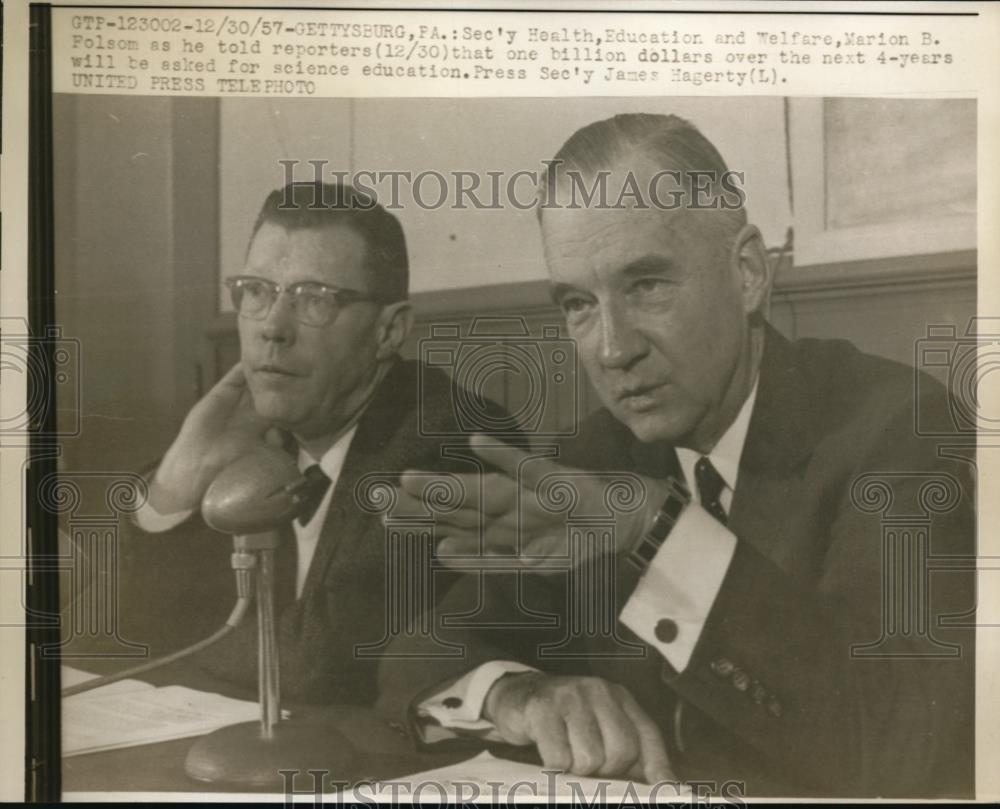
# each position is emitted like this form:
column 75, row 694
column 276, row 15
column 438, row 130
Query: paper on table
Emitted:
column 500, row 780
column 71, row 676
column 130, row 713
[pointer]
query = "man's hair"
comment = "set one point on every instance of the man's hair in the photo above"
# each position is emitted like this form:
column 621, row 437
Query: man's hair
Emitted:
column 668, row 140
column 315, row 205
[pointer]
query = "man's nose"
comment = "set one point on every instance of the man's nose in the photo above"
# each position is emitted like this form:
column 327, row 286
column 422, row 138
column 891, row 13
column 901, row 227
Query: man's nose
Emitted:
column 279, row 325
column 621, row 342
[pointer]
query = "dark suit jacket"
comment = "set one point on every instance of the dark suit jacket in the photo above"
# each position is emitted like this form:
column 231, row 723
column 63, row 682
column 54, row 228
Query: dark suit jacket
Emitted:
column 804, row 588
column 177, row 585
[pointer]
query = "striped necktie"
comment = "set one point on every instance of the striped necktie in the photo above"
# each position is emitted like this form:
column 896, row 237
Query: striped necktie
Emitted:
column 710, row 486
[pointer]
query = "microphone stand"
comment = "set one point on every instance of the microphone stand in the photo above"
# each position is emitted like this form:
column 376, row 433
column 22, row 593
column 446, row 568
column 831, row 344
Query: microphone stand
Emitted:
column 262, row 546
column 251, row 499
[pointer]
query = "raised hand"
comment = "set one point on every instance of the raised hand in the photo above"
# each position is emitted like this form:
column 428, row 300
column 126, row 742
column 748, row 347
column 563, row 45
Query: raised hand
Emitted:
column 513, row 510
column 220, row 428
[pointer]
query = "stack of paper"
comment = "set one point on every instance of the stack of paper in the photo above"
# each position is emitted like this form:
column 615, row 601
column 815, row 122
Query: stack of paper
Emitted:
column 129, row 713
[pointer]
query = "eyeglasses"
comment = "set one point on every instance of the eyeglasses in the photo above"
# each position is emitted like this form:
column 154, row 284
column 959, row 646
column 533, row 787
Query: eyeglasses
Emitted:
column 313, row 303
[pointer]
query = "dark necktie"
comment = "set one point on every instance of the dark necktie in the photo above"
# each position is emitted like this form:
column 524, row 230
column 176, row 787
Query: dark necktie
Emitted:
column 710, row 486
column 315, row 487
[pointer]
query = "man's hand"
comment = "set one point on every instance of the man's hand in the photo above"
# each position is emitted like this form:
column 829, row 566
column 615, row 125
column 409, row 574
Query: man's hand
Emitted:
column 220, row 428
column 582, row 725
column 522, row 509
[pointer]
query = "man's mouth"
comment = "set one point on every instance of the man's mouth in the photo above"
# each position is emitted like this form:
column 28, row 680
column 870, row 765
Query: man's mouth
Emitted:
column 640, row 397
column 276, row 370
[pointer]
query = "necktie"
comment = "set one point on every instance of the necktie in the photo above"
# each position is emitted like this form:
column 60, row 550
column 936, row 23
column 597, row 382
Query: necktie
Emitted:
column 315, row 487
column 710, row 486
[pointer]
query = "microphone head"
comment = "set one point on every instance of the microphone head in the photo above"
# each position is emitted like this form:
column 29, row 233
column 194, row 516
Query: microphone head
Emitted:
column 257, row 492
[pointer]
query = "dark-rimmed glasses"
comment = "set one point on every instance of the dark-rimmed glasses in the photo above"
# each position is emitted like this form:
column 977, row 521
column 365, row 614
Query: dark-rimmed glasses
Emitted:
column 313, row 303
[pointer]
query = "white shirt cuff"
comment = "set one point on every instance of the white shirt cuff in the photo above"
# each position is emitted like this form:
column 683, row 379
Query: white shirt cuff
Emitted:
column 152, row 522
column 458, row 709
column 669, row 607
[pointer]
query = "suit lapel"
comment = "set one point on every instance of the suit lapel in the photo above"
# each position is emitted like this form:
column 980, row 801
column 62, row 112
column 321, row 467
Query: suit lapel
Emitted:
column 780, row 439
column 379, row 445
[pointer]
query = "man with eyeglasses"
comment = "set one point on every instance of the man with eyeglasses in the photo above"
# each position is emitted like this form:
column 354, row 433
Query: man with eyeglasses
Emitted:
column 322, row 313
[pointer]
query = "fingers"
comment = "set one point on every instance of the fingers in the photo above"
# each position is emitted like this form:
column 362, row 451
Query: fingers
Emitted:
column 232, row 384
column 229, row 397
column 653, row 758
column 621, row 741
column 552, row 739
column 589, row 726
column 585, row 739
column 491, row 494
column 512, row 461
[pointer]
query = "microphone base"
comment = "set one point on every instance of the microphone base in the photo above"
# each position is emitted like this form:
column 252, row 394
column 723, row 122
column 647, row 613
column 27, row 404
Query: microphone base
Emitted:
column 239, row 755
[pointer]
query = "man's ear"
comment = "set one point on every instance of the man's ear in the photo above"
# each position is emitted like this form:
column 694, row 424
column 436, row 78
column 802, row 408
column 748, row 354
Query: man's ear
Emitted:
column 755, row 270
column 394, row 325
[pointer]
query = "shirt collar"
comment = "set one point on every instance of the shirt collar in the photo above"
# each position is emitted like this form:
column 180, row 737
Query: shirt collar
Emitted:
column 333, row 458
column 725, row 455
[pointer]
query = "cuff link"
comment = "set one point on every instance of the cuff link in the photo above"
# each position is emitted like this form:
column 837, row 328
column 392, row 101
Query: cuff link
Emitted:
column 666, row 630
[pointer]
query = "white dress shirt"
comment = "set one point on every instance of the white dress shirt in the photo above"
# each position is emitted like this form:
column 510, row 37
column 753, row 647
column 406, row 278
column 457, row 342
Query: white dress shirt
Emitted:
column 684, row 578
column 306, row 536
column 680, row 583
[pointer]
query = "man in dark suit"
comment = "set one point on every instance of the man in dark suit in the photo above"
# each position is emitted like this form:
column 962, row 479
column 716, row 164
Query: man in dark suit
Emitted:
column 322, row 314
column 774, row 620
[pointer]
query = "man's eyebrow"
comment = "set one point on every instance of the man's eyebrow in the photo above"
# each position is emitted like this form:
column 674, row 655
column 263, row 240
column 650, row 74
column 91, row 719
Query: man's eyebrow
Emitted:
column 559, row 291
column 650, row 264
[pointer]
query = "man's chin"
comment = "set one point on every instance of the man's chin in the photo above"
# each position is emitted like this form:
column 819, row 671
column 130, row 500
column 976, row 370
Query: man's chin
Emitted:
column 651, row 427
column 276, row 410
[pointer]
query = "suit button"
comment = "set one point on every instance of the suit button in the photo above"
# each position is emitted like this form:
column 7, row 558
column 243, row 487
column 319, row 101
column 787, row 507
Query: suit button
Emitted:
column 666, row 630
column 774, row 707
column 451, row 702
column 741, row 680
column 757, row 692
column 723, row 667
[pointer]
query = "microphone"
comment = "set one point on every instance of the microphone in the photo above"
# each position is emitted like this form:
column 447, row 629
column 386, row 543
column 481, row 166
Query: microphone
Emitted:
column 251, row 499
column 253, row 496
column 258, row 492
